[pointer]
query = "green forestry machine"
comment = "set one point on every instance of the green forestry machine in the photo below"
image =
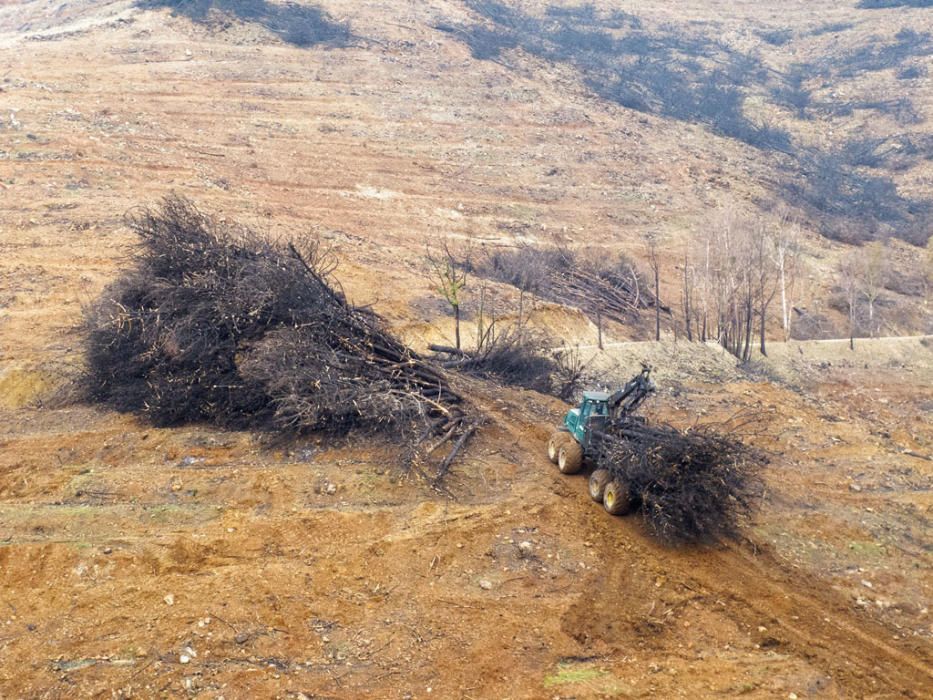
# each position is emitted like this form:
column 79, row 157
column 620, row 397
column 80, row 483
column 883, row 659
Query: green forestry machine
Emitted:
column 578, row 439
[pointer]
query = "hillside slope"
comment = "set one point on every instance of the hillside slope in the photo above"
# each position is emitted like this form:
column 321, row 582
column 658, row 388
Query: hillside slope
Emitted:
column 146, row 562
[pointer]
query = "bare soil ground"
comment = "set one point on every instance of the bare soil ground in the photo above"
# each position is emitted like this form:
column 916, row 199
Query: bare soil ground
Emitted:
column 144, row 562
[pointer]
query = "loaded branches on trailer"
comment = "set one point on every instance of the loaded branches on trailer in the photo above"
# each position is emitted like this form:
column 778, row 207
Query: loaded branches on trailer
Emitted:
column 689, row 485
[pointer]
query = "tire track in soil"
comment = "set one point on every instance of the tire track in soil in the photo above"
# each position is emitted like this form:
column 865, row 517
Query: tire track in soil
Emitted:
column 848, row 645
column 809, row 618
column 801, row 611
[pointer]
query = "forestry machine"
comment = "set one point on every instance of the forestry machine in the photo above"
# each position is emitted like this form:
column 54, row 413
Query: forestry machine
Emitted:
column 579, row 436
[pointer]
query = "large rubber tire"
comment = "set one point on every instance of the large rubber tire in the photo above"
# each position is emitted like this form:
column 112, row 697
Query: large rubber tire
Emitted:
column 553, row 445
column 598, row 481
column 570, row 457
column 617, row 498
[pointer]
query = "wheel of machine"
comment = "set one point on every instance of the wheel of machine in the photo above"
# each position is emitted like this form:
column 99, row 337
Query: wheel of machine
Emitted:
column 617, row 498
column 598, row 481
column 570, row 457
column 553, row 445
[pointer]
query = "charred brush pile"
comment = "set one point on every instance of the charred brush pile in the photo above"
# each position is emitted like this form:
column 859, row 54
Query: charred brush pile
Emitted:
column 692, row 485
column 215, row 324
column 514, row 357
column 611, row 290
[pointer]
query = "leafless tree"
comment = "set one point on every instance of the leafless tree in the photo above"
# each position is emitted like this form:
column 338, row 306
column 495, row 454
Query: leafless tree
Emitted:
column 732, row 284
column 529, row 280
column 874, row 271
column 739, row 265
column 651, row 248
column 449, row 279
column 926, row 273
column 688, row 285
column 764, row 273
column 785, row 241
column 850, row 280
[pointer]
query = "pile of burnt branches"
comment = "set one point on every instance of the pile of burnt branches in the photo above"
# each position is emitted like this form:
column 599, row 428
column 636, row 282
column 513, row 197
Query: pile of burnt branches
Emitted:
column 213, row 323
column 517, row 356
column 602, row 289
column 692, row 485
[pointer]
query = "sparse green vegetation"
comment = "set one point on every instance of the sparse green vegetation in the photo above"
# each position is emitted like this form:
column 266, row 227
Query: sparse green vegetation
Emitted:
column 572, row 673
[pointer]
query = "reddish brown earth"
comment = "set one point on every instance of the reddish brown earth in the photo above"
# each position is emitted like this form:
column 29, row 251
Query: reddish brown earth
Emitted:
column 142, row 562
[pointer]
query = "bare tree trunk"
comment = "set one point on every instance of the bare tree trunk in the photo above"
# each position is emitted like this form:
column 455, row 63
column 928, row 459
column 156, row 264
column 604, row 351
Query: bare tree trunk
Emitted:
column 481, row 318
column 851, row 325
column 651, row 247
column 687, row 298
column 764, row 310
column 636, row 286
column 521, row 307
column 657, row 301
column 457, row 325
column 599, row 327
column 785, row 320
column 707, row 284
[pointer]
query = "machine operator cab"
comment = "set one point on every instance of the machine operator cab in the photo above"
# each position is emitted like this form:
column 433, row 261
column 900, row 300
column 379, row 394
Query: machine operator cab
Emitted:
column 590, row 416
column 583, row 426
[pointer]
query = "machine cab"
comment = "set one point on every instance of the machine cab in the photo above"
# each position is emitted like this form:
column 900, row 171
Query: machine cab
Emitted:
column 591, row 415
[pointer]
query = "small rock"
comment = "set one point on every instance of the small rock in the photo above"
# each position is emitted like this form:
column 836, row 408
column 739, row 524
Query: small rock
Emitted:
column 331, row 489
column 108, row 550
column 306, row 454
column 855, row 487
column 485, row 584
column 525, row 549
column 241, row 638
column 169, row 599
column 184, row 658
column 867, row 584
